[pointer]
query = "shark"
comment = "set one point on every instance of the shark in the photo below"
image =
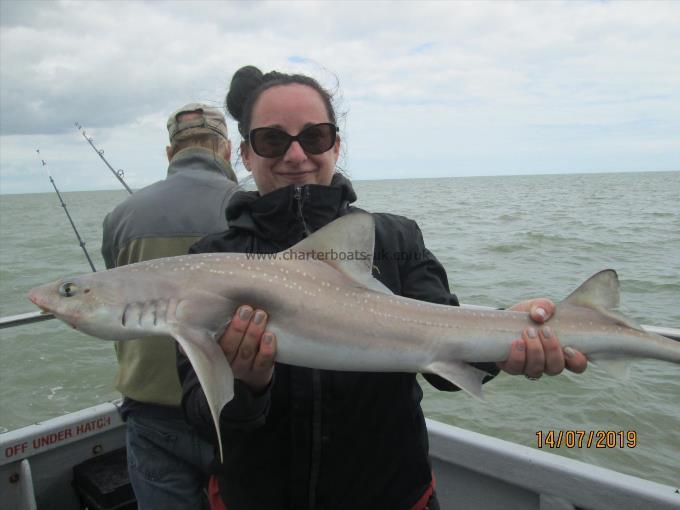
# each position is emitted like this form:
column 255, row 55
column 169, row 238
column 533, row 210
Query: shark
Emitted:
column 329, row 312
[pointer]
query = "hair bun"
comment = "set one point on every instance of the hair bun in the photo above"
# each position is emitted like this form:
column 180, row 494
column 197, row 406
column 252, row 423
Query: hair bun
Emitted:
column 243, row 83
column 273, row 75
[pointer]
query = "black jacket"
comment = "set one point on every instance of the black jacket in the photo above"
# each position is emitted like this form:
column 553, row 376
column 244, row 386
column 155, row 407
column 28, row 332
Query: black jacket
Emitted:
column 323, row 439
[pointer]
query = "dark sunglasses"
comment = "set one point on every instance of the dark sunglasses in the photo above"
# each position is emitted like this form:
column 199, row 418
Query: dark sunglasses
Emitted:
column 269, row 142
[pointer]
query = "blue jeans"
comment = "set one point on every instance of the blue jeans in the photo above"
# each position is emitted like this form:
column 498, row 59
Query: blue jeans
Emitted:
column 168, row 464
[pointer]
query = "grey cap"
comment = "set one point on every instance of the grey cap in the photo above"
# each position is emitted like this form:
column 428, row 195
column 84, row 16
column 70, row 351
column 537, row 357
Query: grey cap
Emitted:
column 210, row 121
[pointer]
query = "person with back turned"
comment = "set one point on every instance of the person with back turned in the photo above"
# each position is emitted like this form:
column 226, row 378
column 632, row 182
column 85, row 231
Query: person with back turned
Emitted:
column 168, row 462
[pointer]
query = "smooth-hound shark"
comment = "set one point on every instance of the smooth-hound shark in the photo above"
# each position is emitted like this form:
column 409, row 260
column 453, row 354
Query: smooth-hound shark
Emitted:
column 328, row 312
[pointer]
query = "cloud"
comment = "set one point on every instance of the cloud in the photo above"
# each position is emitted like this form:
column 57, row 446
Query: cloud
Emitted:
column 440, row 71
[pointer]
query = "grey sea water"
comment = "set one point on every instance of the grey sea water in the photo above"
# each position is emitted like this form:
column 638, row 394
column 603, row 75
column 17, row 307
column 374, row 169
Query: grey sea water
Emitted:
column 501, row 239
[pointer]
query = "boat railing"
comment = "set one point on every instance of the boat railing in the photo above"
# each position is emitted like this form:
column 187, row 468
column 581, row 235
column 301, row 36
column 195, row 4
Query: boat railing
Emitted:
column 24, row 318
column 38, row 316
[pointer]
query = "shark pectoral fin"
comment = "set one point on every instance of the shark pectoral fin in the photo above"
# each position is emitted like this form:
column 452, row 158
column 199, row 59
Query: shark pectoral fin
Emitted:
column 211, row 366
column 465, row 376
column 617, row 366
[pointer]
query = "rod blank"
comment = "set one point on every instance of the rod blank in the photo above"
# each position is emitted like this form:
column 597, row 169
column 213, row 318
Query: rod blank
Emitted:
column 100, row 153
column 73, row 225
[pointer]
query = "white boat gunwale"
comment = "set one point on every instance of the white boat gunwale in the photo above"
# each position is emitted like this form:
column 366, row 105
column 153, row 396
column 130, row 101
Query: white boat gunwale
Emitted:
column 473, row 471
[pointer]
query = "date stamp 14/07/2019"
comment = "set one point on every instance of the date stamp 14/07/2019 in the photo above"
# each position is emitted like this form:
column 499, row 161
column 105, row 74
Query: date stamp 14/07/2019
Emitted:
column 586, row 439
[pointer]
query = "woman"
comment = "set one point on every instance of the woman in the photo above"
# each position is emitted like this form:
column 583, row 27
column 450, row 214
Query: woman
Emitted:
column 297, row 438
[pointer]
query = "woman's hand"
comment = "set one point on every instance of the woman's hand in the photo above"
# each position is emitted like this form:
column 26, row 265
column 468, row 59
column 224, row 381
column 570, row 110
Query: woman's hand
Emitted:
column 249, row 348
column 539, row 351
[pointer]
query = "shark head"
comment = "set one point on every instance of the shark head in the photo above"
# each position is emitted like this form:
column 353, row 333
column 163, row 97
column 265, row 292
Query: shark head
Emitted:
column 83, row 302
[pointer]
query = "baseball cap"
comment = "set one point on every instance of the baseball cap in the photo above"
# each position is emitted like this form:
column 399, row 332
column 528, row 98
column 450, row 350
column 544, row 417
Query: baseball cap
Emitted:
column 211, row 120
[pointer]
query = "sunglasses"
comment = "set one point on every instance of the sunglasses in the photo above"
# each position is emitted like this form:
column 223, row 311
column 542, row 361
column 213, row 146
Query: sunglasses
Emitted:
column 269, row 142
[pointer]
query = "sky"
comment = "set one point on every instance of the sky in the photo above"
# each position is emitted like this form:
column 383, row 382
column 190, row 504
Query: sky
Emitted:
column 425, row 89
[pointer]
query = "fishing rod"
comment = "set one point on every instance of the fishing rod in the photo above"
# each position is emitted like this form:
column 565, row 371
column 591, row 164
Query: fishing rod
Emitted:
column 100, row 152
column 54, row 185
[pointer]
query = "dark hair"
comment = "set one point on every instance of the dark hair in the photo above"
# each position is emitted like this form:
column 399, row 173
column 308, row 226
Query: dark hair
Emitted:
column 248, row 83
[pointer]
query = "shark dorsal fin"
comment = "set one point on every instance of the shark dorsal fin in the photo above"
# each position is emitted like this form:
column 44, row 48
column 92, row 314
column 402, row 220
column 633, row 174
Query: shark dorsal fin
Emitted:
column 347, row 245
column 601, row 292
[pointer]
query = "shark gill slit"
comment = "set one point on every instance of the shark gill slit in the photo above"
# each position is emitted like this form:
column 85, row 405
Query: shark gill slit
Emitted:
column 123, row 319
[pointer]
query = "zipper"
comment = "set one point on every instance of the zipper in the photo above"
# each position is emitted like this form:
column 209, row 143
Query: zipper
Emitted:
column 301, row 196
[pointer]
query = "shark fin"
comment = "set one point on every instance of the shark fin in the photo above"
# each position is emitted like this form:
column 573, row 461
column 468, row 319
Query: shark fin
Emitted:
column 601, row 292
column 618, row 367
column 211, row 366
column 347, row 245
column 463, row 375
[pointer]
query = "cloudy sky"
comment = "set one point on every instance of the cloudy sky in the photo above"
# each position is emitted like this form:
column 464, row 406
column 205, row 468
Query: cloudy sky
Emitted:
column 428, row 89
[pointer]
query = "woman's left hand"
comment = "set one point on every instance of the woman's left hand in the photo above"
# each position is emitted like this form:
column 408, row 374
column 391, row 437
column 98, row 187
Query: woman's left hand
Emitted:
column 539, row 351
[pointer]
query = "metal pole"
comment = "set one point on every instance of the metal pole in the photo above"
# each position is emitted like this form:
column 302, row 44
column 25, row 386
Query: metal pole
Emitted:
column 100, row 153
column 73, row 225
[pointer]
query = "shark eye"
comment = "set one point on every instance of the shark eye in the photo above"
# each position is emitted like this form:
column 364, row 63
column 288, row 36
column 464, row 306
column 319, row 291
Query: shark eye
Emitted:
column 68, row 289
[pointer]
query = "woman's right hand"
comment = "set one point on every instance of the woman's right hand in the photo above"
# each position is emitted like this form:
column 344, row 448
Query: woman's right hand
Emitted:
column 249, row 348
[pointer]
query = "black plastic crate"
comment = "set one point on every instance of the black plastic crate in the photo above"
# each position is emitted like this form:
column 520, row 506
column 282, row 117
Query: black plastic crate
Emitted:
column 102, row 483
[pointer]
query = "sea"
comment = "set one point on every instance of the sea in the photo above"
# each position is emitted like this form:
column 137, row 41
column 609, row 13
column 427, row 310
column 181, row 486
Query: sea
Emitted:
column 501, row 240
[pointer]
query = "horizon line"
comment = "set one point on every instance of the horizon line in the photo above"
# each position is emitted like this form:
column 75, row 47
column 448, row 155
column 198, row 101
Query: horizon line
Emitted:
column 599, row 172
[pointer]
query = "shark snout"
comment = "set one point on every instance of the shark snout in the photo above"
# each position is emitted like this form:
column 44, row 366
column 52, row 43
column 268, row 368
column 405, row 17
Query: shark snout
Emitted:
column 37, row 299
column 33, row 297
